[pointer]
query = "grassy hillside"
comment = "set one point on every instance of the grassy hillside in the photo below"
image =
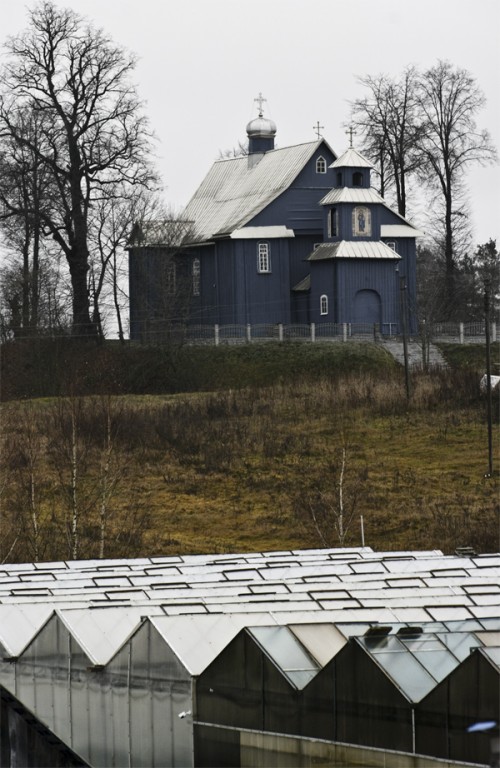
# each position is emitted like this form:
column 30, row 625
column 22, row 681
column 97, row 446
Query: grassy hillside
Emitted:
column 282, row 446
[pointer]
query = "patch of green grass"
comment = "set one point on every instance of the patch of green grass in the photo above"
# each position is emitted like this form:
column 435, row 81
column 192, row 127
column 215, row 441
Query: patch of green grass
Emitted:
column 471, row 356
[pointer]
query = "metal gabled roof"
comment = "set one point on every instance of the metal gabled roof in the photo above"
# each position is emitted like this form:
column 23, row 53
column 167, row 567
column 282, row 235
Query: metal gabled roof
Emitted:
column 234, row 190
column 349, row 249
column 351, row 158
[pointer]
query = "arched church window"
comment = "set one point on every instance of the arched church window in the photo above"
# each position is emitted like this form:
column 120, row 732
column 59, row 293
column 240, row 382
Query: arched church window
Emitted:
column 339, row 178
column 196, row 271
column 321, row 165
column 263, row 258
column 323, row 304
column 357, row 179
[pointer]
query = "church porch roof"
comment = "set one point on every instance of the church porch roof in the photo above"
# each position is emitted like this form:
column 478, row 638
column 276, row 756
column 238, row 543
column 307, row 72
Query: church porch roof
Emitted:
column 348, row 249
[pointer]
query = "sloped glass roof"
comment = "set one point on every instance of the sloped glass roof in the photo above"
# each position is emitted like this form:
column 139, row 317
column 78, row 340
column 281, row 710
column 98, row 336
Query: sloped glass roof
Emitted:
column 353, row 585
column 287, row 653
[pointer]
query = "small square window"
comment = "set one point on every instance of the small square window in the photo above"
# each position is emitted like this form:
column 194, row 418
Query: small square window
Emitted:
column 392, row 245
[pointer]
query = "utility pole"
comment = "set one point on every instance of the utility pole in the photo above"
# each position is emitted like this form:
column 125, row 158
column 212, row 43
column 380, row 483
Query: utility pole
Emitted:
column 402, row 294
column 488, row 379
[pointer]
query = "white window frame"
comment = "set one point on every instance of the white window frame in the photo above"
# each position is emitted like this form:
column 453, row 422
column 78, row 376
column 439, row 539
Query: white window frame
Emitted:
column 321, row 164
column 196, row 272
column 392, row 245
column 323, row 304
column 263, row 258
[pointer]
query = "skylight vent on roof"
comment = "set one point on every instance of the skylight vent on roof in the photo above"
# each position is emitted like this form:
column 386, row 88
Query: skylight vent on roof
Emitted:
column 410, row 632
column 376, row 635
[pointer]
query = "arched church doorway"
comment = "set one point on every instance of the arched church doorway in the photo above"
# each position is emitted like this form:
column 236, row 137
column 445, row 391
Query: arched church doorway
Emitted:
column 367, row 307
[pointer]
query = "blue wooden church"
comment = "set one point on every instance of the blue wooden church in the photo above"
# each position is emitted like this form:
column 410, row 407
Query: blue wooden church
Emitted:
column 282, row 235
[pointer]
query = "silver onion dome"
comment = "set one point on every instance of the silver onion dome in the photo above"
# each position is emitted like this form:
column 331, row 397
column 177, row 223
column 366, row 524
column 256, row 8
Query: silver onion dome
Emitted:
column 261, row 127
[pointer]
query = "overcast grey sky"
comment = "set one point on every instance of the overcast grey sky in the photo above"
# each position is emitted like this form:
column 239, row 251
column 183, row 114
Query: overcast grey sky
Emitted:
column 202, row 63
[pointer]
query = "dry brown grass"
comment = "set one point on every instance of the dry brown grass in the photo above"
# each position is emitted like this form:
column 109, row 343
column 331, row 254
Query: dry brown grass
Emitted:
column 239, row 470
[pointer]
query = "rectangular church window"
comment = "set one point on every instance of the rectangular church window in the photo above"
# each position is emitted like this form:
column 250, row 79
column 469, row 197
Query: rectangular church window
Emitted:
column 263, row 258
column 333, row 223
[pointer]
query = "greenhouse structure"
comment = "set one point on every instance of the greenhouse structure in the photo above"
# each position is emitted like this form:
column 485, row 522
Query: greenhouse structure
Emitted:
column 329, row 657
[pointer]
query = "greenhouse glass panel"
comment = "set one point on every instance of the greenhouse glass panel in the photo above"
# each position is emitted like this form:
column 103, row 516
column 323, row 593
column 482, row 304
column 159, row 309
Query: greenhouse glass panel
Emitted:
column 492, row 623
column 460, row 643
column 468, row 625
column 323, row 641
column 437, row 663
column 287, row 653
column 403, row 668
column 489, row 638
column 494, row 655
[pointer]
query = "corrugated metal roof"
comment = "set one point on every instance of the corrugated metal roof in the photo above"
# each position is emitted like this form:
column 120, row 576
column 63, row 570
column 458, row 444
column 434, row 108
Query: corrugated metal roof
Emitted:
column 351, row 158
column 352, row 195
column 233, row 191
column 349, row 249
column 400, row 230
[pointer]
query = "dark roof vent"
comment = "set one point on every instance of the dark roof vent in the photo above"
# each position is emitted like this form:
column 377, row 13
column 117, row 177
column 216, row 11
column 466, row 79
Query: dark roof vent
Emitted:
column 376, row 635
column 409, row 632
column 465, row 552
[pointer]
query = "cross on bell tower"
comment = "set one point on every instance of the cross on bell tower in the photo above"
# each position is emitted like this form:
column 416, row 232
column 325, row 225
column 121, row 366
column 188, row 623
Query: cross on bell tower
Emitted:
column 351, row 132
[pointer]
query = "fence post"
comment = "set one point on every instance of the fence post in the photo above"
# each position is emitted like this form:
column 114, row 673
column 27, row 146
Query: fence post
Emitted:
column 344, row 331
column 249, row 333
column 493, row 332
column 313, row 331
column 461, row 332
column 216, row 329
column 280, row 331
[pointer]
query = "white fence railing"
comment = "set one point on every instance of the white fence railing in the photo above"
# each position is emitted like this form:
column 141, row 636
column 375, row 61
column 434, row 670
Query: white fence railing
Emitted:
column 453, row 333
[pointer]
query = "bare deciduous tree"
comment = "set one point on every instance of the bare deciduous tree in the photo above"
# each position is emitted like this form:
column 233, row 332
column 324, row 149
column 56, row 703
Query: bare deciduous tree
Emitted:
column 449, row 99
column 92, row 134
column 388, row 123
